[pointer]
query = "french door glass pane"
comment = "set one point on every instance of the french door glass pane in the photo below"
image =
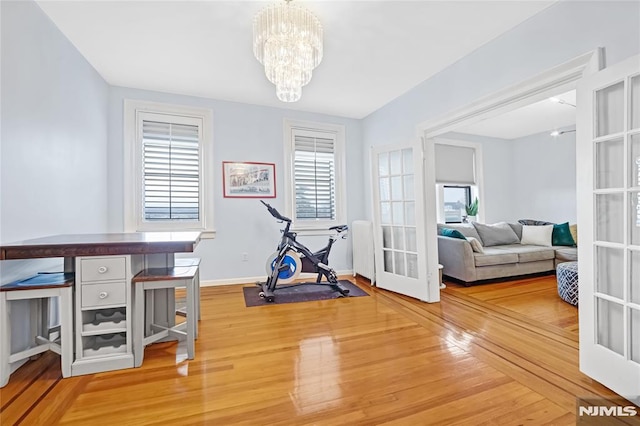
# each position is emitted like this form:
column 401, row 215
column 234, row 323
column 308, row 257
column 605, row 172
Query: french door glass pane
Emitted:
column 610, row 164
column 385, row 213
column 610, row 271
column 383, row 164
column 398, row 238
column 610, row 217
column 635, row 103
column 634, row 160
column 386, row 237
column 410, row 213
column 408, row 187
column 396, row 188
column 398, row 213
column 634, row 277
column 396, row 162
column 634, row 218
column 412, row 244
column 385, row 189
column 399, row 263
column 610, row 110
column 412, row 265
column 635, row 335
column 407, row 157
column 609, row 318
column 388, row 261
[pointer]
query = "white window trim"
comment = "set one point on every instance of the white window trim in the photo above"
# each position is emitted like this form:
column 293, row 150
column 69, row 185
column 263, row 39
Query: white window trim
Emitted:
column 308, row 226
column 477, row 190
column 133, row 174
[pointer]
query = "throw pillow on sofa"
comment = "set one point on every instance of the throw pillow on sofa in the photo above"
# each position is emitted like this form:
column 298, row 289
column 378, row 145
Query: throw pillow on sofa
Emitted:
column 475, row 245
column 465, row 229
column 496, row 235
column 532, row 222
column 562, row 235
column 452, row 233
column 539, row 235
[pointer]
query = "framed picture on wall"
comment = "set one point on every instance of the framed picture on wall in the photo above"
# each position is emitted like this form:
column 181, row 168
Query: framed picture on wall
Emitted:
column 248, row 179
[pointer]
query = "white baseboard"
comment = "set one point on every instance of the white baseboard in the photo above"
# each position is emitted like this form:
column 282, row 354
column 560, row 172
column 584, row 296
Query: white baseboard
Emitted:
column 251, row 280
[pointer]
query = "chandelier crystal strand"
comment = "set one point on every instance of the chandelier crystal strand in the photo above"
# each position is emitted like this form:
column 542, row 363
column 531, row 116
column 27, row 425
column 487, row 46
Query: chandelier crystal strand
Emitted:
column 287, row 40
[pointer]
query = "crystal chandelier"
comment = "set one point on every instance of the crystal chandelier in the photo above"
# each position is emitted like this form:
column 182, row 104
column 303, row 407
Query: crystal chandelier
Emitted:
column 287, row 40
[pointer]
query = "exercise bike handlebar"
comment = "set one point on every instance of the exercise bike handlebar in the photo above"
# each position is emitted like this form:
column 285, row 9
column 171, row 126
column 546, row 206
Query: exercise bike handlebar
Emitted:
column 275, row 213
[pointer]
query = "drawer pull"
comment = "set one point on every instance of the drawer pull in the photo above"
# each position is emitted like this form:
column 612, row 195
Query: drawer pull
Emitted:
column 103, row 294
column 102, row 269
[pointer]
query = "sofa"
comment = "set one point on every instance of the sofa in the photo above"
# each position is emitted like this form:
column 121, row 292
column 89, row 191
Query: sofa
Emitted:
column 479, row 252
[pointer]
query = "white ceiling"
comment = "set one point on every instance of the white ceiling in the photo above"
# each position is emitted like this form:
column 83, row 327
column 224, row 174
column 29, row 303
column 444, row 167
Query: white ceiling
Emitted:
column 374, row 50
column 539, row 117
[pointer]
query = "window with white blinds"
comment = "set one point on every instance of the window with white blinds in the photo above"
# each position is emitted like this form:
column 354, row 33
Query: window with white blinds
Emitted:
column 314, row 174
column 168, row 168
column 171, row 157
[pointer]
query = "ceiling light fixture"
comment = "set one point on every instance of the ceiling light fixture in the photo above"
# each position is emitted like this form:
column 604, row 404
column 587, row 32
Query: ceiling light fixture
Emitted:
column 557, row 133
column 287, row 40
column 560, row 101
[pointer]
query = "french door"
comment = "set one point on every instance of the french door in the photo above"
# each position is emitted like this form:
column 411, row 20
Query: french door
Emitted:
column 399, row 220
column 608, row 160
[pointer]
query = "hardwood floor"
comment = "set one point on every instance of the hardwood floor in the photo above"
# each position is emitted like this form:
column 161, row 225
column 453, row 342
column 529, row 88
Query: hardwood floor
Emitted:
column 493, row 354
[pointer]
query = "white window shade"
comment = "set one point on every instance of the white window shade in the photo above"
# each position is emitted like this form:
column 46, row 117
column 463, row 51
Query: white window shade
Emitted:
column 171, row 171
column 455, row 164
column 314, row 177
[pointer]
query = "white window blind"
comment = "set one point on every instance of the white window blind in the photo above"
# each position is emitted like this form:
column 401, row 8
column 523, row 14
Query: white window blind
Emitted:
column 171, row 171
column 455, row 164
column 314, row 176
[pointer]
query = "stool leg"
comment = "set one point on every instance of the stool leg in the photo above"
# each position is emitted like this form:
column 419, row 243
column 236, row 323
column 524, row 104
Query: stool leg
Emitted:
column 5, row 340
column 66, row 334
column 138, row 324
column 192, row 319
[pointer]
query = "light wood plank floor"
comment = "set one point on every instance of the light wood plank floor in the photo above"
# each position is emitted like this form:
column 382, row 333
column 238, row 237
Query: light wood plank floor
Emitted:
column 492, row 354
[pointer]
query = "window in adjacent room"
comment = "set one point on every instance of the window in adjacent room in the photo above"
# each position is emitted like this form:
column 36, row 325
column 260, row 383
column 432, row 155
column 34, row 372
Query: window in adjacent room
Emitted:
column 168, row 168
column 314, row 175
column 455, row 199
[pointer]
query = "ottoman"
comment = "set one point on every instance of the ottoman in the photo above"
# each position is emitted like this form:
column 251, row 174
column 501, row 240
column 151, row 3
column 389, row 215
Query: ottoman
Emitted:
column 567, row 275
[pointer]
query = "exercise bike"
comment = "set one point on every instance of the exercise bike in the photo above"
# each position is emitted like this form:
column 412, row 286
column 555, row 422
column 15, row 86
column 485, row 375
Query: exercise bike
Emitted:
column 292, row 257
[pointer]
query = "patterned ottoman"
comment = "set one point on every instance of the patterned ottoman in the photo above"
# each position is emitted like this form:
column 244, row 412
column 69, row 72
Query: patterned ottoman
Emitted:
column 567, row 275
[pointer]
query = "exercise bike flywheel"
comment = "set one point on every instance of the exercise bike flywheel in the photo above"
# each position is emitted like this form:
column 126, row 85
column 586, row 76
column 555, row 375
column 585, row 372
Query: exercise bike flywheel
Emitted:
column 294, row 267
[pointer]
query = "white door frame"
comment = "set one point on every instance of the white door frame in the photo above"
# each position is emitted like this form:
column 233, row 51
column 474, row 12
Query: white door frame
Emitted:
column 559, row 79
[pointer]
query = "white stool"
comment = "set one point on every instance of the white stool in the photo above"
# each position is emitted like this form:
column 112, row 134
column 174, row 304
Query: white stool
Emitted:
column 43, row 287
column 191, row 261
column 156, row 279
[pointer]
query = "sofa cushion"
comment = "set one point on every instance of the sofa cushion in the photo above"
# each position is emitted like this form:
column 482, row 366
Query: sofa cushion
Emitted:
column 528, row 253
column 574, row 232
column 567, row 254
column 496, row 234
column 494, row 256
column 562, row 235
column 465, row 229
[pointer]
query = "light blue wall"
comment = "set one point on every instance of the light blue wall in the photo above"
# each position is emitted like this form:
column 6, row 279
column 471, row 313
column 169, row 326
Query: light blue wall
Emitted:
column 557, row 34
column 53, row 142
column 241, row 132
column 545, row 178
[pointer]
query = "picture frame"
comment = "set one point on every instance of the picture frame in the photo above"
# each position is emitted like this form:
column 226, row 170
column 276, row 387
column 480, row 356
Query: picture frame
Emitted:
column 248, row 179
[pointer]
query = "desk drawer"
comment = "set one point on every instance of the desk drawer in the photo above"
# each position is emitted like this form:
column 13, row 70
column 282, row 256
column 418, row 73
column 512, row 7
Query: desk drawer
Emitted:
column 104, row 294
column 103, row 269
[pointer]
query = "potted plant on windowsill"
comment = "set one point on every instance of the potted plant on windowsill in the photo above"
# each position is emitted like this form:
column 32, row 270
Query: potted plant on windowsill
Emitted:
column 472, row 211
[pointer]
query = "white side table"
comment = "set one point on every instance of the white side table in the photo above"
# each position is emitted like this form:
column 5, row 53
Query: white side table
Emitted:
column 440, row 268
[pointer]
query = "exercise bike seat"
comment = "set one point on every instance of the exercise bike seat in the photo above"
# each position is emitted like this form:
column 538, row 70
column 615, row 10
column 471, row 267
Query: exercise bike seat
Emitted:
column 339, row 228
